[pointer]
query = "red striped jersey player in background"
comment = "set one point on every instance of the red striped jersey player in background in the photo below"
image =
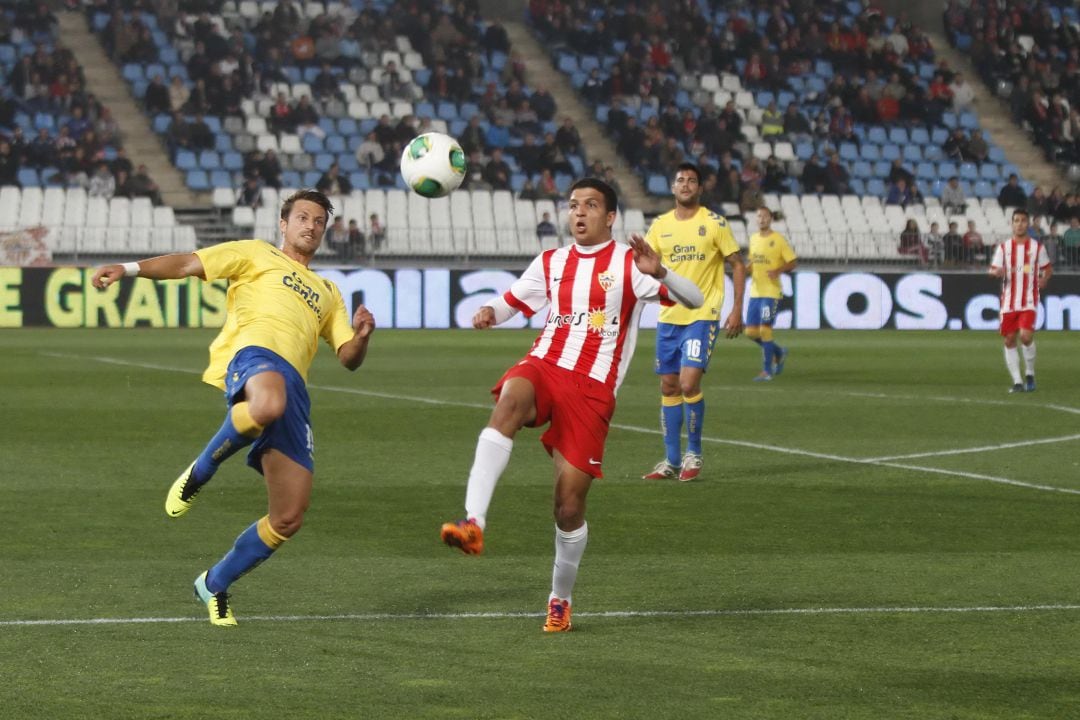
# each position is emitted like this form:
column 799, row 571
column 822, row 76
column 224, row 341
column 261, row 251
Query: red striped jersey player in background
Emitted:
column 595, row 289
column 1024, row 268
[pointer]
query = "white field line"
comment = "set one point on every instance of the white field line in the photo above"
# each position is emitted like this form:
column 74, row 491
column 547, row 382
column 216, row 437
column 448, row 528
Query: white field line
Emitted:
column 674, row 614
column 984, row 448
column 881, row 462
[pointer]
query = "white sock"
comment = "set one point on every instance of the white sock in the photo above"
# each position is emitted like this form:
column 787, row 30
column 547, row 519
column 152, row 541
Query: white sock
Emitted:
column 492, row 455
column 1012, row 361
column 1029, row 358
column 569, row 547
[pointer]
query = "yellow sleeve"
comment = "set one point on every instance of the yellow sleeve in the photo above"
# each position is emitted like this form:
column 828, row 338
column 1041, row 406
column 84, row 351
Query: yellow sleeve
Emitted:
column 337, row 330
column 786, row 253
column 726, row 239
column 225, row 260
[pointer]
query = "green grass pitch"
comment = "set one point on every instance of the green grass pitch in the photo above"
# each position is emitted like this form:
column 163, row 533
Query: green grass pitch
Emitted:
column 882, row 532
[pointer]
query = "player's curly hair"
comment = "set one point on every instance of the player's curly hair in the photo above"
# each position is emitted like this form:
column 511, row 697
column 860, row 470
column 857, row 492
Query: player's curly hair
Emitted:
column 314, row 196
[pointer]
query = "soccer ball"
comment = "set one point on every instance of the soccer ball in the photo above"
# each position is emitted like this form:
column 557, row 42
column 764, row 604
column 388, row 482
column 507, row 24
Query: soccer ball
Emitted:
column 433, row 164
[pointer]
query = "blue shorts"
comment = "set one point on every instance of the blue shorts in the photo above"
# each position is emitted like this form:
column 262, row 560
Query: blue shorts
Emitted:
column 679, row 346
column 761, row 311
column 289, row 434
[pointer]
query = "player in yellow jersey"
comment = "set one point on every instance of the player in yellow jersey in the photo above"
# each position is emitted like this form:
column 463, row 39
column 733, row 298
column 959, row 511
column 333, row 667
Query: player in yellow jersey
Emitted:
column 696, row 243
column 770, row 256
column 277, row 309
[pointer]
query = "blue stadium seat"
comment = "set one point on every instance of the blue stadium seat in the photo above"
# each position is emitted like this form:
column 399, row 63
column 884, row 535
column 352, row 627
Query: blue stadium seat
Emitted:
column 422, row 109
column 996, row 154
column 291, row 178
column 328, row 125
column 132, row 72
column 862, row 169
column 311, row 178
column 28, row 177
column 568, row 63
column 969, row 121
column 44, row 120
column 335, row 144
column 877, row 135
column 947, row 169
column 933, row 153
column 882, row 168
column 213, row 122
column 232, row 161
column 857, row 186
column 869, row 152
column 949, row 120
column 458, row 126
column 899, row 136
column 347, row 162
column 138, row 89
column 446, row 111
column 587, row 62
column 312, row 144
column 785, row 98
column 938, row 136
column 926, row 171
column 969, row 171
column 658, row 185
column 359, row 180
column 198, row 180
column 920, row 136
column 912, row 153
column 890, row 152
column 323, row 161
column 849, row 152
column 348, row 127
column 804, row 150
column 221, row 178
column 517, row 181
column 990, row 171
column 875, row 186
column 983, row 189
column 467, row 109
column 223, row 142
column 209, row 160
column 186, row 160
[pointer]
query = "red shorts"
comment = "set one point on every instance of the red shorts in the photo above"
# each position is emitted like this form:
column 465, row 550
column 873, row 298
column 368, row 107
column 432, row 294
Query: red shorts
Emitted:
column 578, row 408
column 1011, row 322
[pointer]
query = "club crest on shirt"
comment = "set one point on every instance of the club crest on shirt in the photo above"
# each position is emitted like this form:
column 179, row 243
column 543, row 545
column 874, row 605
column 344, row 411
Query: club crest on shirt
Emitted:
column 606, row 280
column 701, row 231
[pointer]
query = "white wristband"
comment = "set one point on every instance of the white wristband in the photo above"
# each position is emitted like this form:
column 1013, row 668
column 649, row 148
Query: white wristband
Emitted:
column 131, row 269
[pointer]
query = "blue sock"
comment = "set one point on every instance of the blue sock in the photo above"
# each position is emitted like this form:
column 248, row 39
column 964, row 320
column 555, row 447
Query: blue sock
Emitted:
column 250, row 549
column 695, row 419
column 768, row 351
column 228, row 440
column 671, row 417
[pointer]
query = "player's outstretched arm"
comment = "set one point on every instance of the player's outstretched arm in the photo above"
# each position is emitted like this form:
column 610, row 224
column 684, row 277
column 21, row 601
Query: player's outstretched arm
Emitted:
column 163, row 267
column 647, row 261
column 352, row 353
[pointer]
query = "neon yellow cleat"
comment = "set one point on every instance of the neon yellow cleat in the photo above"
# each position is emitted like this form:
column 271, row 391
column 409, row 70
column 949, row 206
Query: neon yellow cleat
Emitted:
column 558, row 616
column 182, row 494
column 217, row 603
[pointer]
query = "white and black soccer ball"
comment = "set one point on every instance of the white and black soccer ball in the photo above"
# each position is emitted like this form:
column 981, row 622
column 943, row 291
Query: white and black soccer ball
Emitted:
column 433, row 164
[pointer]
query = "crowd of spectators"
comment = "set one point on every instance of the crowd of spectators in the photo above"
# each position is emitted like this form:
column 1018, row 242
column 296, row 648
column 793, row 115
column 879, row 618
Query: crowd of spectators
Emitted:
column 872, row 83
column 1034, row 61
column 228, row 59
column 77, row 141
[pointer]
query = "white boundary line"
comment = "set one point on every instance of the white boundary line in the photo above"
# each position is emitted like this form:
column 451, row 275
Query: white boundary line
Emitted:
column 1002, row 446
column 675, row 614
column 879, row 462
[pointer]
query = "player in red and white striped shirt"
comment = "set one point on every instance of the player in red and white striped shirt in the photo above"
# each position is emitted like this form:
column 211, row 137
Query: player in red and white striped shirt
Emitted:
column 595, row 289
column 1024, row 268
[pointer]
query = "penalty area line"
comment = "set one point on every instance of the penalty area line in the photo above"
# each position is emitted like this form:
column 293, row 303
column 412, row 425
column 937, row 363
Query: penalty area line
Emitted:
column 673, row 614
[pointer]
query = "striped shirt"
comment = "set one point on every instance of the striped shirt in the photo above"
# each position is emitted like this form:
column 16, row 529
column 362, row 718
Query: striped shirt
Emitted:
column 1023, row 262
column 595, row 301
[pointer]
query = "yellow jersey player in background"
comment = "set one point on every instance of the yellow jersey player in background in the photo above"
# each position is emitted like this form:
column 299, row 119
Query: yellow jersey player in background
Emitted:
column 277, row 309
column 694, row 242
column 770, row 256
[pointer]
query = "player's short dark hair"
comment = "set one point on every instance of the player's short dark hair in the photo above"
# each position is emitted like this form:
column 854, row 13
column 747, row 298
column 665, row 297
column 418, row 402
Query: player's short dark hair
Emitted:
column 314, row 196
column 611, row 199
column 689, row 167
column 1021, row 211
column 767, row 209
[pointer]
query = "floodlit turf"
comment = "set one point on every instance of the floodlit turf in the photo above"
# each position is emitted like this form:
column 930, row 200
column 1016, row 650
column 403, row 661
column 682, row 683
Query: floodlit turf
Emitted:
column 841, row 557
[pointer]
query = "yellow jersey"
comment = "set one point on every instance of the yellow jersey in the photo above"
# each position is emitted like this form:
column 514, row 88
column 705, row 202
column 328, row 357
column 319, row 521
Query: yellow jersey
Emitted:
column 767, row 252
column 695, row 248
column 273, row 302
